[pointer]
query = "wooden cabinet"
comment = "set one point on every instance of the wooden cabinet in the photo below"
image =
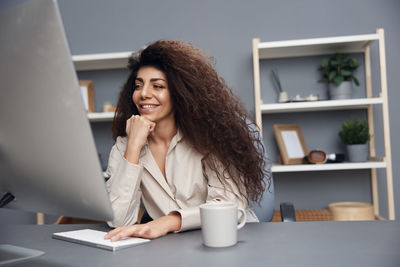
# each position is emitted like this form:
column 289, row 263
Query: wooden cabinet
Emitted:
column 326, row 46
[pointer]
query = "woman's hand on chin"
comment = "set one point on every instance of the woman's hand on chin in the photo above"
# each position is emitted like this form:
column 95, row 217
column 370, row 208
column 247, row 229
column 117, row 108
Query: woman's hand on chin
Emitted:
column 150, row 230
column 138, row 128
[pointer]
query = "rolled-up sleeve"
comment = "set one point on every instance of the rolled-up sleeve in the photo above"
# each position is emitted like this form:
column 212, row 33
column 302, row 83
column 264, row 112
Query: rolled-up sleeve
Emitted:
column 123, row 188
column 190, row 218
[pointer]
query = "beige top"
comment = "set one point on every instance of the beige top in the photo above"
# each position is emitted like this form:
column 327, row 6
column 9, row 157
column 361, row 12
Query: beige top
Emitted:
column 183, row 190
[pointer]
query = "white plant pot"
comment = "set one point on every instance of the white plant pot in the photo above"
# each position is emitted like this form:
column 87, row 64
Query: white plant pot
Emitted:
column 357, row 153
column 342, row 91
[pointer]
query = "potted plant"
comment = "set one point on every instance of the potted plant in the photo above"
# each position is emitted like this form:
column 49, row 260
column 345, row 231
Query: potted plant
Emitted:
column 338, row 71
column 354, row 134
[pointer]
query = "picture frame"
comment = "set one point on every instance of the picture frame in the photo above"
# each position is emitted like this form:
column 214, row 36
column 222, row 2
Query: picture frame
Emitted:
column 87, row 93
column 291, row 143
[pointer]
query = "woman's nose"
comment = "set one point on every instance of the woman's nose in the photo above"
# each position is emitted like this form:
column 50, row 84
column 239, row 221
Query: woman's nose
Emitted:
column 146, row 91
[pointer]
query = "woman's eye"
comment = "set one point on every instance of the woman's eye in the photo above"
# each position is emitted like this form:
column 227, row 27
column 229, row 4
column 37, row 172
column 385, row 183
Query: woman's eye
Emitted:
column 158, row 86
column 137, row 86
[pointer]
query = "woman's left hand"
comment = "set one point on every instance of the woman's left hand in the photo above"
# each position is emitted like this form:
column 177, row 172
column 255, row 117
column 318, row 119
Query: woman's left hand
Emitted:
column 150, row 230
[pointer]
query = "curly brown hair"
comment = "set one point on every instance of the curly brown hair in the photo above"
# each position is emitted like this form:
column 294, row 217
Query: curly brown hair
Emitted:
column 210, row 117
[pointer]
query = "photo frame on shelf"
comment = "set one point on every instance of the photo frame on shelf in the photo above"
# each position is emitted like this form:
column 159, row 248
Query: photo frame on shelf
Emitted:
column 291, row 143
column 87, row 93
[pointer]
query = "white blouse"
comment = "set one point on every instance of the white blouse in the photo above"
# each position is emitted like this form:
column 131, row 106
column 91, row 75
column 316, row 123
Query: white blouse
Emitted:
column 182, row 190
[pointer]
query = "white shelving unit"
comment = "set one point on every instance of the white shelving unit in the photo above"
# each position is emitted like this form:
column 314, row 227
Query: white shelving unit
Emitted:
column 316, row 46
column 325, row 46
column 329, row 167
column 361, row 103
column 102, row 61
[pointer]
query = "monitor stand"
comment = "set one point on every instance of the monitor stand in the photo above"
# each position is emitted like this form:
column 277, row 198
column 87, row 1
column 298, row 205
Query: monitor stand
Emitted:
column 10, row 254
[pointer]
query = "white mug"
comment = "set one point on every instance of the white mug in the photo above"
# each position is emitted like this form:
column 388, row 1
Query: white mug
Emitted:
column 219, row 223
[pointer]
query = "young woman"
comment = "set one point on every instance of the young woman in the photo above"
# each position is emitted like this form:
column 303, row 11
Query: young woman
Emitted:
column 182, row 139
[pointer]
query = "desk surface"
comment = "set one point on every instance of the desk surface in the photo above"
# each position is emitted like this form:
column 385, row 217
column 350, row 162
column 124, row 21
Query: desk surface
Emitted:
column 265, row 244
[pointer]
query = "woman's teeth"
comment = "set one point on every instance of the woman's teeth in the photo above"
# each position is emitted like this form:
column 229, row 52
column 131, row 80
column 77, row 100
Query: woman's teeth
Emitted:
column 149, row 106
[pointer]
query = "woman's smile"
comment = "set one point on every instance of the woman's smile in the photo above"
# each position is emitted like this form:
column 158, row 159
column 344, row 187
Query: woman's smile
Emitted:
column 147, row 108
column 152, row 96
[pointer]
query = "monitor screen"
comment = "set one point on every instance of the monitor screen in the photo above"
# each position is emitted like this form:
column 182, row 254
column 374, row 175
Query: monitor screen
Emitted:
column 48, row 158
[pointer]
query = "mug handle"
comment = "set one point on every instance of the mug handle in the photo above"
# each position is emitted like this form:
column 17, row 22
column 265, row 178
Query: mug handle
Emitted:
column 243, row 218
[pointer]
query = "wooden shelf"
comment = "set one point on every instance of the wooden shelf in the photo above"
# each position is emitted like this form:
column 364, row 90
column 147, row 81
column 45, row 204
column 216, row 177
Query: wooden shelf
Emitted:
column 316, row 46
column 345, row 104
column 329, row 166
column 101, row 61
column 324, row 46
column 101, row 116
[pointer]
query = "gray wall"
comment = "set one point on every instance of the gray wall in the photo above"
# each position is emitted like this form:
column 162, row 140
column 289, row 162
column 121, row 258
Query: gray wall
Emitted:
column 224, row 28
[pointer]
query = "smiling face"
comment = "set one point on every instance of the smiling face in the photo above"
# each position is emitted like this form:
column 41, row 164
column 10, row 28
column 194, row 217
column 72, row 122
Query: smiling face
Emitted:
column 151, row 96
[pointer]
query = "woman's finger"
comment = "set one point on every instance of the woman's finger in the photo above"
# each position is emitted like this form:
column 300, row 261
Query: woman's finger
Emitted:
column 117, row 235
column 131, row 231
column 123, row 232
column 112, row 233
column 128, row 125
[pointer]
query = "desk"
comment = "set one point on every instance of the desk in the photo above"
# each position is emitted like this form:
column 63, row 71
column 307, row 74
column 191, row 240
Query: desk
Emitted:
column 266, row 244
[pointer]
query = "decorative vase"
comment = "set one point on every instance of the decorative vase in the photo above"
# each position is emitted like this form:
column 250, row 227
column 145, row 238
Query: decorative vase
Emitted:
column 357, row 153
column 342, row 91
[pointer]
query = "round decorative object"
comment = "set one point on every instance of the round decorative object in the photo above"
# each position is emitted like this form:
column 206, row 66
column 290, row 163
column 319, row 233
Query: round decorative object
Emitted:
column 317, row 156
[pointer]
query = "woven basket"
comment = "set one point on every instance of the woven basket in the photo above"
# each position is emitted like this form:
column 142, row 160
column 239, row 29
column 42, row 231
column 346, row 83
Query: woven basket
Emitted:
column 351, row 211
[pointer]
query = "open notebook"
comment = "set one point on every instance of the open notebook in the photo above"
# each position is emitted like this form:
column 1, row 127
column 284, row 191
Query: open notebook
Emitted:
column 96, row 239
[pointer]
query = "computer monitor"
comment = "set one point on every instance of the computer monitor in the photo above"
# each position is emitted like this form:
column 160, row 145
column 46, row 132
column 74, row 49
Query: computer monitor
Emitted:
column 48, row 157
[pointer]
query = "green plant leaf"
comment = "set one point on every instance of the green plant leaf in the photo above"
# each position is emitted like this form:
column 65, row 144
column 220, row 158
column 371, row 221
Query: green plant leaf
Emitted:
column 338, row 68
column 338, row 79
column 324, row 63
column 356, row 81
column 331, row 75
column 334, row 62
column 354, row 131
column 354, row 63
column 345, row 72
